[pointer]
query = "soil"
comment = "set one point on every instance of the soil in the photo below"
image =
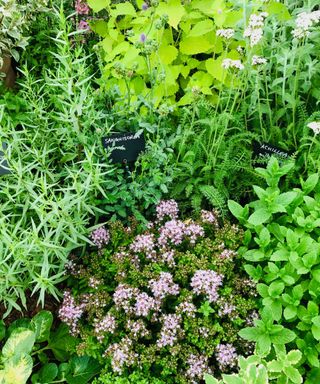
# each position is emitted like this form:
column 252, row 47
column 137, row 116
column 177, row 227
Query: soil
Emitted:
column 51, row 304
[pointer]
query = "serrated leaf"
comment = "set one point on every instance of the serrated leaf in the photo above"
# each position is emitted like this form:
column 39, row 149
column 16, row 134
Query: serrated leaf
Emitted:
column 123, row 9
column 294, row 356
column 210, row 379
column 168, row 53
column 259, row 217
column 293, row 374
column 194, row 45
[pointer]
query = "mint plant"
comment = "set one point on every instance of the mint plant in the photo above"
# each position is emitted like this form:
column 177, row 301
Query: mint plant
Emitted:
column 256, row 370
column 282, row 247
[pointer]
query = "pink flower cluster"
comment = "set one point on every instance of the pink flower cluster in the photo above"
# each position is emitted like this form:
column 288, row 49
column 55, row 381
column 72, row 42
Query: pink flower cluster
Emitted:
column 226, row 356
column 167, row 208
column 100, row 237
column 144, row 243
column 175, row 231
column 137, row 328
column 210, row 217
column 70, row 312
column 198, row 366
column 227, row 254
column 121, row 355
column 207, row 282
column 82, row 7
column 163, row 286
column 226, row 309
column 134, row 302
column 102, row 326
column 170, row 329
column 123, row 296
column 144, row 304
column 188, row 308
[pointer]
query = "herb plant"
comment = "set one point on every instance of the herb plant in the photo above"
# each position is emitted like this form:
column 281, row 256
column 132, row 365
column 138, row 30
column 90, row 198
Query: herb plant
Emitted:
column 166, row 301
column 30, row 343
column 282, row 247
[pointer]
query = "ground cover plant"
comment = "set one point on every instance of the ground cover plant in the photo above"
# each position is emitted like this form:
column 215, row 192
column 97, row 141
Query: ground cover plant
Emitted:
column 164, row 303
column 282, row 248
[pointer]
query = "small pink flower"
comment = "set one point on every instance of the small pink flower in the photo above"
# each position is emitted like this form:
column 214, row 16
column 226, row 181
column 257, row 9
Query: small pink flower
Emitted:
column 82, row 7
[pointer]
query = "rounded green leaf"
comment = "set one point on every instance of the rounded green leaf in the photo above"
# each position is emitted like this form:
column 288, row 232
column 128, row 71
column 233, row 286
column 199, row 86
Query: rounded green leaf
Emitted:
column 48, row 373
column 42, row 323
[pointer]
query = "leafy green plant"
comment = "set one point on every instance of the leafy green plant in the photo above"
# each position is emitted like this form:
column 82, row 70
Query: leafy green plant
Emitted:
column 15, row 18
column 163, row 50
column 282, row 246
column 255, row 370
column 29, row 343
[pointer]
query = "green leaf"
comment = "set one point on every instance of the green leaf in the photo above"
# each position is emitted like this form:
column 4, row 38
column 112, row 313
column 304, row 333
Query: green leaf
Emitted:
column 232, row 379
column 123, row 9
column 286, row 198
column 275, row 289
column 315, row 331
column 290, row 312
column 263, row 345
column 282, row 335
column 48, row 373
column 275, row 366
column 18, row 368
column 20, row 341
column 61, row 343
column 310, row 184
column 195, row 45
column 236, row 209
column 294, row 357
column 249, row 333
column 206, row 309
column 98, row 5
column 293, row 374
column 42, row 322
column 2, row 330
column 259, row 217
column 201, row 28
column 83, row 368
column 209, row 379
column 174, row 10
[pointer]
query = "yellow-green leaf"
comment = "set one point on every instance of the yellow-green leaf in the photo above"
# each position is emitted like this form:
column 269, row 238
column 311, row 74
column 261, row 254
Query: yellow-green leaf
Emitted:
column 98, row 5
column 201, row 28
column 100, row 27
column 175, row 11
column 194, row 45
column 278, row 9
column 123, row 9
column 168, row 53
column 214, row 67
column 18, row 369
column 106, row 44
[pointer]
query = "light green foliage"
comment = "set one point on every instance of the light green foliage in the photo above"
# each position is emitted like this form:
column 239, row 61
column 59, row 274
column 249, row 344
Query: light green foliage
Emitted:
column 24, row 350
column 282, row 246
column 14, row 20
column 54, row 154
column 181, row 54
column 256, row 370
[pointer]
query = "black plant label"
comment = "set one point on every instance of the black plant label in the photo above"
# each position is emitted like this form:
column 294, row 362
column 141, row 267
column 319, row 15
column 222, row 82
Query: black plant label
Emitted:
column 263, row 151
column 125, row 147
column 4, row 167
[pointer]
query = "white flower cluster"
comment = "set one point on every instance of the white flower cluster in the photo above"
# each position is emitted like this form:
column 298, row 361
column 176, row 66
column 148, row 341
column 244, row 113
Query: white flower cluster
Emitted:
column 304, row 22
column 315, row 126
column 225, row 33
column 258, row 60
column 229, row 63
column 255, row 28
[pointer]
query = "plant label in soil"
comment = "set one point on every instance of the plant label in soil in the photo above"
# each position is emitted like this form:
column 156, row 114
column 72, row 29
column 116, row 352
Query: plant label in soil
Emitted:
column 125, row 147
column 3, row 162
column 263, row 151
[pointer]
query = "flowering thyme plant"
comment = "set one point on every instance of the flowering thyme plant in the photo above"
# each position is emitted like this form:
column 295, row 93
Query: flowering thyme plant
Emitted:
column 167, row 301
